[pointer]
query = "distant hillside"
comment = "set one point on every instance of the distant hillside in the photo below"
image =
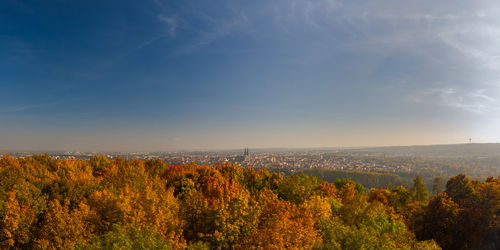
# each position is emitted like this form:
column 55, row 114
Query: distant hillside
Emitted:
column 367, row 179
column 450, row 150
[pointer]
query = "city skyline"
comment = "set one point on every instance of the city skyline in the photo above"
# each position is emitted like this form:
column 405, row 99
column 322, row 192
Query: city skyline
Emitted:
column 164, row 75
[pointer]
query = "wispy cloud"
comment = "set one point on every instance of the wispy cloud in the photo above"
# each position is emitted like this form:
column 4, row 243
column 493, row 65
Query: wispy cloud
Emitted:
column 311, row 10
column 476, row 101
column 217, row 29
column 20, row 108
column 171, row 24
column 127, row 53
column 477, row 41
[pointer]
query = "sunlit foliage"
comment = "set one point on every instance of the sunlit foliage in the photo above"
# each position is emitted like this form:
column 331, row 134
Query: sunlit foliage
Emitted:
column 465, row 215
column 120, row 204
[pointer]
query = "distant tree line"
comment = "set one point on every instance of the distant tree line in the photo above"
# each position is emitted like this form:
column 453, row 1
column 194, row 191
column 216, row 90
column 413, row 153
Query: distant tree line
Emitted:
column 367, row 179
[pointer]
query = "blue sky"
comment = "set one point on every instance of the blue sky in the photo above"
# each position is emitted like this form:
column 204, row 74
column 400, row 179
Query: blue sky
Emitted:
column 170, row 75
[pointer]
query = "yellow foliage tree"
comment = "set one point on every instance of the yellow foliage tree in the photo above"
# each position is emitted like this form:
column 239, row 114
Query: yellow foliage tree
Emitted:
column 62, row 228
column 10, row 221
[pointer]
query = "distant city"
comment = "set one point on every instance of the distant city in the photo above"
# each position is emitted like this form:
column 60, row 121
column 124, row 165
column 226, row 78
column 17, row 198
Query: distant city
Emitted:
column 473, row 159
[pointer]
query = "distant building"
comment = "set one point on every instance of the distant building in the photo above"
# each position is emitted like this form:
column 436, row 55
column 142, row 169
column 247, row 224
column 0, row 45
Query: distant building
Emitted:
column 244, row 157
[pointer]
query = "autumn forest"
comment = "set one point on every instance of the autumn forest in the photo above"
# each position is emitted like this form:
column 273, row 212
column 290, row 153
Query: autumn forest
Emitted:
column 102, row 204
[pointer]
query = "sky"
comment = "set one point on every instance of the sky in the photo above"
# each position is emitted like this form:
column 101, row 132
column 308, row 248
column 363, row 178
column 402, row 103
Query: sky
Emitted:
column 159, row 75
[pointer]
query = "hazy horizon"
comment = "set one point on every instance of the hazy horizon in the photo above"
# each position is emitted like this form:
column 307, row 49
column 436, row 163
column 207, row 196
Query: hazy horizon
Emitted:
column 165, row 75
column 255, row 149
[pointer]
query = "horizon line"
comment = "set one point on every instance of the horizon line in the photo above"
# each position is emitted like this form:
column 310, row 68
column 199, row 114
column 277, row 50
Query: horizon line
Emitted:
column 237, row 149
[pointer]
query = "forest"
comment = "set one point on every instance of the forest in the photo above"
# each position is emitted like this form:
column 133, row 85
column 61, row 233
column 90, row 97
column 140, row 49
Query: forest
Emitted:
column 365, row 178
column 48, row 203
